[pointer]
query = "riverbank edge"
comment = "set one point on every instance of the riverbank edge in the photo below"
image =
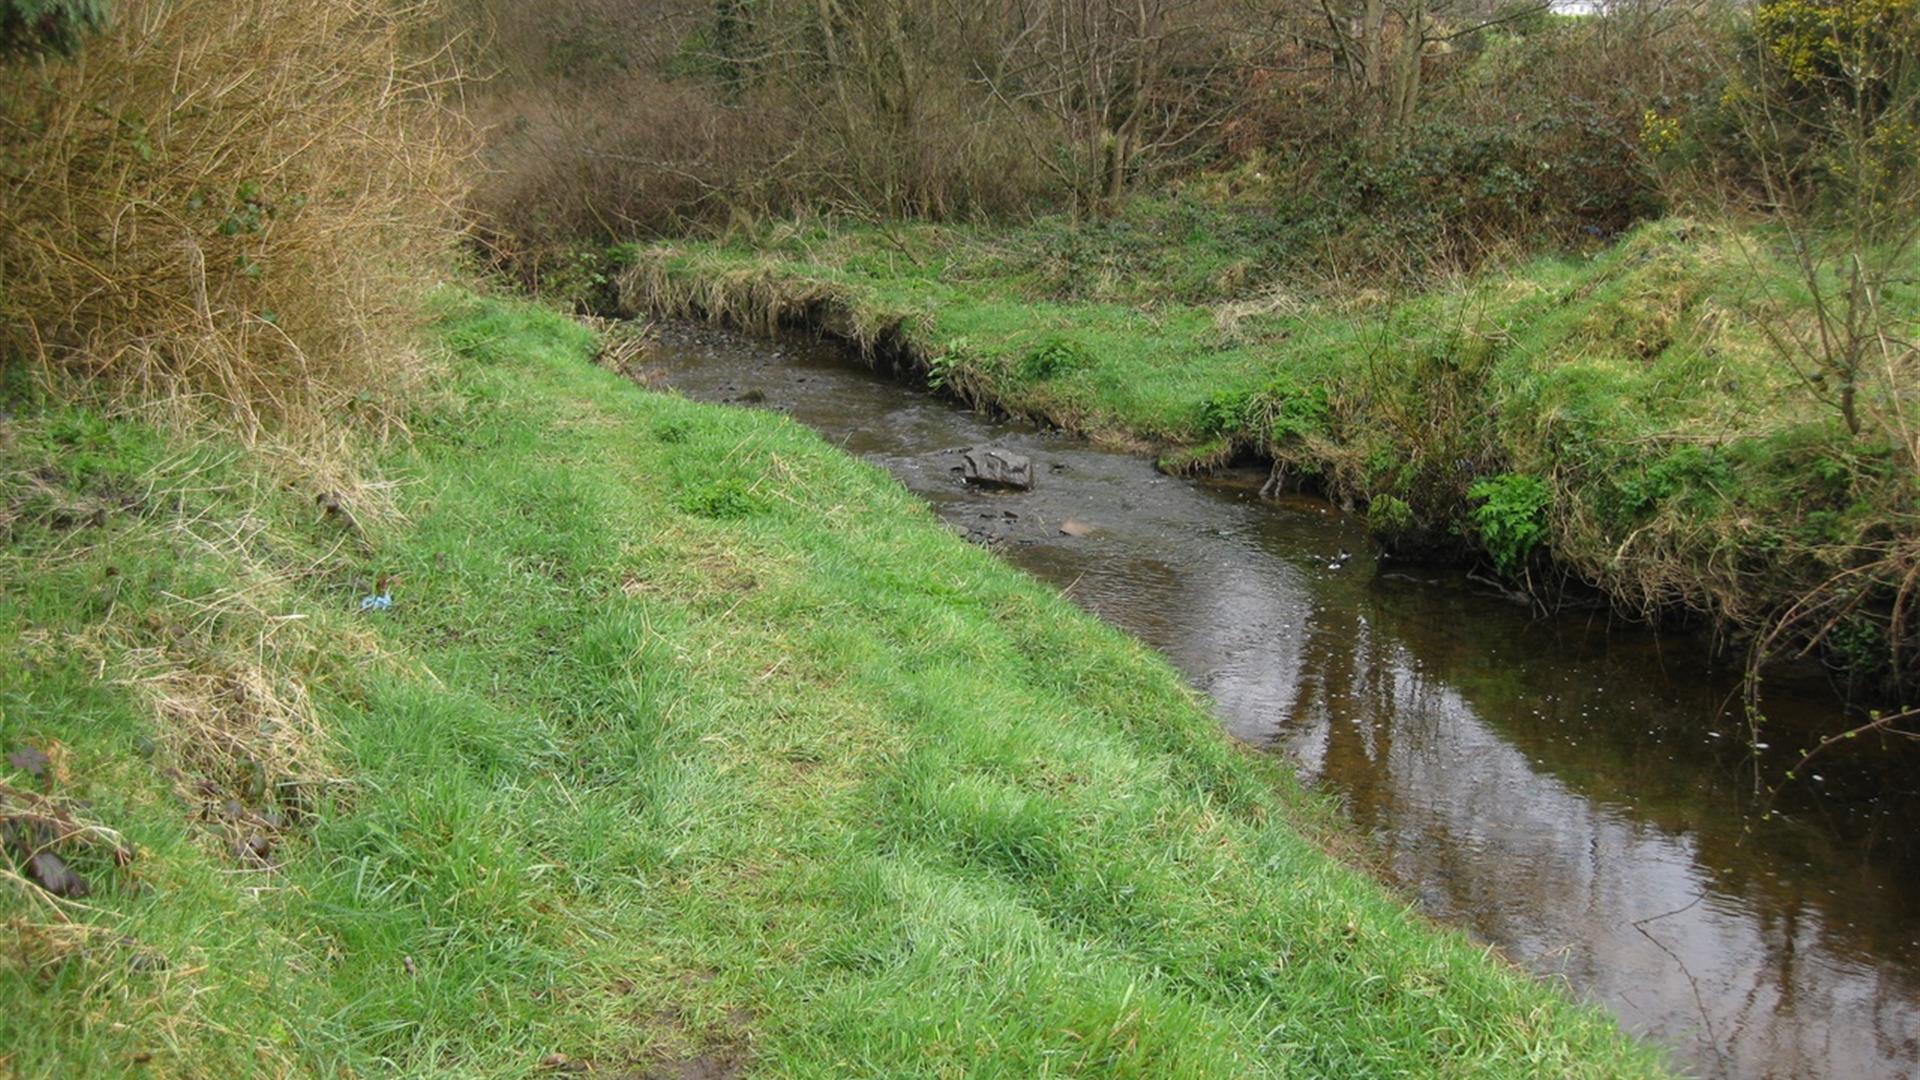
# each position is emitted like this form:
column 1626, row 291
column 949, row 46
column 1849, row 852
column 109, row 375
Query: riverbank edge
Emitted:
column 1739, row 587
column 695, row 723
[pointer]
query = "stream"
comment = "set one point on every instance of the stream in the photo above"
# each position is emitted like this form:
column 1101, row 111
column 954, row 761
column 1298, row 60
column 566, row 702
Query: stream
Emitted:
column 1580, row 793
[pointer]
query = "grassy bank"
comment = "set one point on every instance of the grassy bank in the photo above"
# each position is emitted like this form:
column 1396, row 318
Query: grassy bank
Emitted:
column 687, row 742
column 1621, row 418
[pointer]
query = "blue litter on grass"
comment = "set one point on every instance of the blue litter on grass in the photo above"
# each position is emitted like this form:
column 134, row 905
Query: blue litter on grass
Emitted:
column 376, row 603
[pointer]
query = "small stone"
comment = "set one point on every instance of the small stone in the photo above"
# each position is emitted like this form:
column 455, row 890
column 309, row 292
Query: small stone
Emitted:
column 991, row 467
column 1070, row 527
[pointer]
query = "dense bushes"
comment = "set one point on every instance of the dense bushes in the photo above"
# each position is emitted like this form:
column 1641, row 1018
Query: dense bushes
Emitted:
column 1811, row 103
column 1520, row 129
column 610, row 121
column 1838, row 81
column 1530, row 136
column 236, row 200
column 1515, row 130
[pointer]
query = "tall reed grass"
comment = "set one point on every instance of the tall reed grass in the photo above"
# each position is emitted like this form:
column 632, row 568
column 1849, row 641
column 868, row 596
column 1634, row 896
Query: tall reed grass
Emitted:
column 234, row 203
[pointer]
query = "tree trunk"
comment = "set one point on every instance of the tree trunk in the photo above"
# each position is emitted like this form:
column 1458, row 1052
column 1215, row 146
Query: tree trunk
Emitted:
column 1373, row 46
column 1406, row 75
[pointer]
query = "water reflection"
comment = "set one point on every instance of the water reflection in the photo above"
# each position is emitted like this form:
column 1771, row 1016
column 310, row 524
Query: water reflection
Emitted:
column 1573, row 792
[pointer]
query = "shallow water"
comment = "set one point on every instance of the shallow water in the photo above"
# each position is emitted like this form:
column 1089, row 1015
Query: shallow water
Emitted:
column 1580, row 794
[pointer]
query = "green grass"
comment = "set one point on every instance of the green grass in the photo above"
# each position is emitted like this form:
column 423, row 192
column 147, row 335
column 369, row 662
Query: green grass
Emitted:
column 687, row 738
column 1687, row 466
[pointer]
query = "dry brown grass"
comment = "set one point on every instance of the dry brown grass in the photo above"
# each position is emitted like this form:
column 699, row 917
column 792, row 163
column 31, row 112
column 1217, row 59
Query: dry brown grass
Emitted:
column 1276, row 300
column 228, row 676
column 228, row 671
column 233, row 202
column 759, row 298
column 624, row 345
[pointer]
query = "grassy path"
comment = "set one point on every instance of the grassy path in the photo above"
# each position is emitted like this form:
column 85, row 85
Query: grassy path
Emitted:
column 688, row 743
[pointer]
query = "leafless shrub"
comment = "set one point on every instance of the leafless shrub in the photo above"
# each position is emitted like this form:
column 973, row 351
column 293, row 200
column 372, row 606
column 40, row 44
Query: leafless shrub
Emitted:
column 1824, row 111
column 631, row 155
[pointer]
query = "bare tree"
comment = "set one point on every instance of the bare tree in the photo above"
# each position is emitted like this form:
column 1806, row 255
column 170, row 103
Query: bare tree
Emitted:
column 1827, row 107
column 1381, row 49
column 1123, row 81
column 1827, row 118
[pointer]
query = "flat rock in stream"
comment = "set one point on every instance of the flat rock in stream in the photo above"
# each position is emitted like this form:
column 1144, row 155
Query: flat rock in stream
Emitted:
column 987, row 466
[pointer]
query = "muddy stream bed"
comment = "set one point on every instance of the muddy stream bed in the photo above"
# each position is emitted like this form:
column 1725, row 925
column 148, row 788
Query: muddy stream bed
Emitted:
column 1580, row 793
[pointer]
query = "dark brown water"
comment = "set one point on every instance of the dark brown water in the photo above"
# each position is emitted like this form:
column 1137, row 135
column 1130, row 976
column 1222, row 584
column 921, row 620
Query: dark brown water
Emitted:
column 1579, row 794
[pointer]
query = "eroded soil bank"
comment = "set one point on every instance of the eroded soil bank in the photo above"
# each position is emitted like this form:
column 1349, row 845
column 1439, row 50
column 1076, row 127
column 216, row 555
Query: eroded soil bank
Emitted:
column 1580, row 794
